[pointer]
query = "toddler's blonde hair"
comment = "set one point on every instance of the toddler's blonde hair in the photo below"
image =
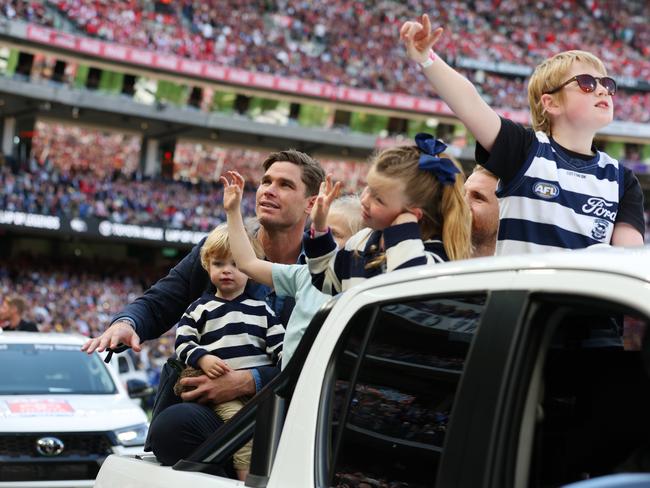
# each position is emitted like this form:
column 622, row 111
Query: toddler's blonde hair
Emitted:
column 217, row 245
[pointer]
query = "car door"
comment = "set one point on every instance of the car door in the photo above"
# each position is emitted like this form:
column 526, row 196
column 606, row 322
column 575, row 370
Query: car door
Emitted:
column 395, row 402
column 572, row 400
column 394, row 352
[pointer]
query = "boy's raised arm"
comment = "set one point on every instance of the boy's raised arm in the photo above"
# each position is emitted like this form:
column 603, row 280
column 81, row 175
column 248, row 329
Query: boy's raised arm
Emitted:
column 240, row 247
column 452, row 87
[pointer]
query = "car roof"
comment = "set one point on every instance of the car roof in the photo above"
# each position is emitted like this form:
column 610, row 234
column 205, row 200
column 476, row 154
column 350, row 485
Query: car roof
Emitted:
column 631, row 262
column 18, row 337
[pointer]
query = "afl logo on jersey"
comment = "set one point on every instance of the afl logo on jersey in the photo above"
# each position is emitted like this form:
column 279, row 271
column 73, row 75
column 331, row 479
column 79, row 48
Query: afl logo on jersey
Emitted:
column 546, row 190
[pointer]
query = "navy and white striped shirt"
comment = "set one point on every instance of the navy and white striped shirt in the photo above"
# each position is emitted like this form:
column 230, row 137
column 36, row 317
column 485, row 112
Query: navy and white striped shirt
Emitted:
column 244, row 332
column 336, row 270
column 553, row 198
column 557, row 202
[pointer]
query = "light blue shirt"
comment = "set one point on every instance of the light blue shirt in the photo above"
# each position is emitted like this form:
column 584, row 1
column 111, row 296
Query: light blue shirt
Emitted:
column 294, row 280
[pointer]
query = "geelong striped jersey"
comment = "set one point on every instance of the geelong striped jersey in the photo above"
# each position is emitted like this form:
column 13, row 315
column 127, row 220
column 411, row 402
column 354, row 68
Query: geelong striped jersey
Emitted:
column 244, row 332
column 336, row 270
column 557, row 202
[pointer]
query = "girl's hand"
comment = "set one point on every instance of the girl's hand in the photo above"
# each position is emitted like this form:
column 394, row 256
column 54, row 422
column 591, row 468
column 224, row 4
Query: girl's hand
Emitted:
column 232, row 192
column 326, row 195
column 419, row 38
column 404, row 218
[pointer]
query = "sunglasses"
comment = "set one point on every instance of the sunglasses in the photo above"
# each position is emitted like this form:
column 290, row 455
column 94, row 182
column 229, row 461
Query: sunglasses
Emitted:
column 588, row 84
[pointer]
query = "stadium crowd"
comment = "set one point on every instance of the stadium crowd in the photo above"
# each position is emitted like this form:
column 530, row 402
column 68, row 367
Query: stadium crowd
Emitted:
column 78, row 172
column 352, row 42
column 78, row 296
column 120, row 199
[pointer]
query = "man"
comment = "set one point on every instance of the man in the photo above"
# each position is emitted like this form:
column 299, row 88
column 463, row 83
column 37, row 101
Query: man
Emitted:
column 283, row 202
column 11, row 315
column 480, row 188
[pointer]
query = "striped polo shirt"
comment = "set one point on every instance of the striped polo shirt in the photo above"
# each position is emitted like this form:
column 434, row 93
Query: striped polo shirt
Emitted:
column 244, row 332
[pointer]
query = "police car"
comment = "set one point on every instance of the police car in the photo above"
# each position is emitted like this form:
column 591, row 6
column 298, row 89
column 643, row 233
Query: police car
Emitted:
column 62, row 412
column 525, row 371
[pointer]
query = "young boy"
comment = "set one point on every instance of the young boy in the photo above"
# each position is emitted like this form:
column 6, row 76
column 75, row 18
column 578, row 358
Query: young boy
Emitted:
column 344, row 219
column 228, row 329
column 556, row 190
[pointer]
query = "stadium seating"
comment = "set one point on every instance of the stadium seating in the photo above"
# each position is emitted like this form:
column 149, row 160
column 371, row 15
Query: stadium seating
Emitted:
column 354, row 43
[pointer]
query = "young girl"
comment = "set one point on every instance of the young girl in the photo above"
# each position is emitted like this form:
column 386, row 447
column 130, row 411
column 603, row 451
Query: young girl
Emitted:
column 288, row 280
column 414, row 211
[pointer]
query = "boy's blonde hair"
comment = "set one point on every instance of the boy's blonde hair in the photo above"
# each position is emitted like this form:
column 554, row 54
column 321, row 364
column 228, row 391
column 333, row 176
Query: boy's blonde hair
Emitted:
column 445, row 212
column 550, row 74
column 217, row 245
column 350, row 207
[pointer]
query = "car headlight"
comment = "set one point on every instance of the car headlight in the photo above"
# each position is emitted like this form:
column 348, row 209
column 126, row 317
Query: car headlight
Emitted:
column 132, row 436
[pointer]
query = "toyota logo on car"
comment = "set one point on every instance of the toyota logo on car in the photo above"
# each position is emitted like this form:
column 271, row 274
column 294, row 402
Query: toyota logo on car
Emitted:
column 49, row 446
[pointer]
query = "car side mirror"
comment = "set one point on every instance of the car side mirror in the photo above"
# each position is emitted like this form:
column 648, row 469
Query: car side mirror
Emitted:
column 632, row 480
column 138, row 388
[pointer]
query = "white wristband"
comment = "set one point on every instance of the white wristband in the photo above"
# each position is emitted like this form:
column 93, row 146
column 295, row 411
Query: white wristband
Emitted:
column 432, row 57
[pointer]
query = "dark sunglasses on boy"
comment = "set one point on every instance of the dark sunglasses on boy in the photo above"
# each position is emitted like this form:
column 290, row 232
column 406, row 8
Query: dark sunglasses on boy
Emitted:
column 588, row 84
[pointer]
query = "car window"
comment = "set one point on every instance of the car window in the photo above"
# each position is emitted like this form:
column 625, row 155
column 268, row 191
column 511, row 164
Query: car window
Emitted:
column 593, row 407
column 396, row 374
column 52, row 368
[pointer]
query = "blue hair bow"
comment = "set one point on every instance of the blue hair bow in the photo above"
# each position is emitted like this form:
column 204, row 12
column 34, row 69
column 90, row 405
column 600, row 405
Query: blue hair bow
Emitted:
column 443, row 169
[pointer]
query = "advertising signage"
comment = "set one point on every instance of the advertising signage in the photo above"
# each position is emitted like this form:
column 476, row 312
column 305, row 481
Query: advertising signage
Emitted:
column 98, row 228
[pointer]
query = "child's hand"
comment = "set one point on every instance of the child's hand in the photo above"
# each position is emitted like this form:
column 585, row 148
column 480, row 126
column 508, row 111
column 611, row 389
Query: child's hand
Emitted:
column 326, row 195
column 404, row 218
column 418, row 38
column 213, row 366
column 232, row 192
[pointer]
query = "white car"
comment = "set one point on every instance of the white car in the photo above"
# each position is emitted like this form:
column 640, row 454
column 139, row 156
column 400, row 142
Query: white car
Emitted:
column 525, row 371
column 125, row 366
column 62, row 412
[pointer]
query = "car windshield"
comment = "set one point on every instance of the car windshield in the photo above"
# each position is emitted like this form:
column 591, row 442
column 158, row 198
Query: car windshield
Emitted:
column 52, row 368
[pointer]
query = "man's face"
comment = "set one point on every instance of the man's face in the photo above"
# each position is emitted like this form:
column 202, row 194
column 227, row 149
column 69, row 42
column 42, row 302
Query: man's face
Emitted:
column 483, row 203
column 5, row 311
column 280, row 201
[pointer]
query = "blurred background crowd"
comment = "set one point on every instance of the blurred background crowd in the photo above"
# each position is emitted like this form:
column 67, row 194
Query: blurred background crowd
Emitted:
column 353, row 42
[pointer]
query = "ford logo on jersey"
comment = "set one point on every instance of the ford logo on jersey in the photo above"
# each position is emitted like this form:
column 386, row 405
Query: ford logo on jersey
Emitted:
column 546, row 190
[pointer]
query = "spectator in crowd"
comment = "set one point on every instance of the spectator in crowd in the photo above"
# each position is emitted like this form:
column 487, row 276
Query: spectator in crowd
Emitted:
column 480, row 193
column 284, row 200
column 571, row 98
column 12, row 310
column 208, row 341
